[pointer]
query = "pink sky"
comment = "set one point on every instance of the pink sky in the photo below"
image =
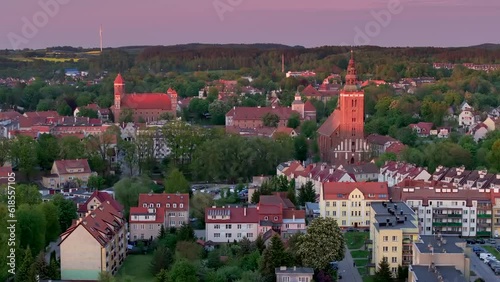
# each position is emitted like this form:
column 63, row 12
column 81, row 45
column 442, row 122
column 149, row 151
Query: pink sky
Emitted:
column 291, row 22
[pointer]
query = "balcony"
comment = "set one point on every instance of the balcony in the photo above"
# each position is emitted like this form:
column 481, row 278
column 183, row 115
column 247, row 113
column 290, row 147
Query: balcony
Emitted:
column 483, row 233
column 483, row 215
column 407, row 241
column 496, row 223
column 454, row 215
column 447, row 223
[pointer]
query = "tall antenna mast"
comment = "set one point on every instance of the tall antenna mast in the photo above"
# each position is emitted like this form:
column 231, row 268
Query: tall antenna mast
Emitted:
column 100, row 37
column 283, row 63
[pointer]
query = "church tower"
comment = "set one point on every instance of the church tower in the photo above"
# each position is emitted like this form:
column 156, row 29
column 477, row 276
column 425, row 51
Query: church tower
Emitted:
column 119, row 93
column 298, row 105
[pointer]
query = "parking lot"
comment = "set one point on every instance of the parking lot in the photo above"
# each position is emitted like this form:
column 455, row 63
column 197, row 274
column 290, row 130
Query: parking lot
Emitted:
column 485, row 258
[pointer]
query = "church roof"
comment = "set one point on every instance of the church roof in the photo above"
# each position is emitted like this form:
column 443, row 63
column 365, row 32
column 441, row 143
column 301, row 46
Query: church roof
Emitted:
column 148, row 101
column 309, row 107
column 331, row 123
column 119, row 79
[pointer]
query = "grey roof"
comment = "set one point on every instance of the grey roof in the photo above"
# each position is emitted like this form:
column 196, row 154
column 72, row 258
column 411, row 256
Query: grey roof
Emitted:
column 449, row 246
column 294, row 270
column 449, row 273
column 312, row 206
column 400, row 216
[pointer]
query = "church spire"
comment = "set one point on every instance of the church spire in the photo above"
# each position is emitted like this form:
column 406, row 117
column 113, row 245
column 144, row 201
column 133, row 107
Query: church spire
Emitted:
column 351, row 78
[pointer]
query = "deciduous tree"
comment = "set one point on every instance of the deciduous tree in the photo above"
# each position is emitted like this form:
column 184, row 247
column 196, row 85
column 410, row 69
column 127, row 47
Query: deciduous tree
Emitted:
column 176, row 182
column 163, row 258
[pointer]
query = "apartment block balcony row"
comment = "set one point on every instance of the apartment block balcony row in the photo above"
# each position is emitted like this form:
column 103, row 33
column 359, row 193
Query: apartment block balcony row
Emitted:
column 447, row 223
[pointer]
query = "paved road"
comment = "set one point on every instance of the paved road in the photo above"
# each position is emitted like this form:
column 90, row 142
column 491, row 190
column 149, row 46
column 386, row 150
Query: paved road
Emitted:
column 53, row 246
column 481, row 269
column 347, row 270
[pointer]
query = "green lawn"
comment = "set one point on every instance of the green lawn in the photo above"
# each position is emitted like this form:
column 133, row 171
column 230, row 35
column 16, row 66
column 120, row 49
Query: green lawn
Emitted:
column 368, row 278
column 359, row 254
column 493, row 251
column 362, row 271
column 356, row 240
column 135, row 268
column 361, row 262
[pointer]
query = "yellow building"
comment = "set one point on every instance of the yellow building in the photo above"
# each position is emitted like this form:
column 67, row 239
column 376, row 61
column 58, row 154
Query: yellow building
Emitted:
column 349, row 202
column 95, row 243
column 393, row 230
column 495, row 201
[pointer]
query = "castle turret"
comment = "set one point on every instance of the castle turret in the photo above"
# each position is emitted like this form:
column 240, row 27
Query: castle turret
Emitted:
column 173, row 100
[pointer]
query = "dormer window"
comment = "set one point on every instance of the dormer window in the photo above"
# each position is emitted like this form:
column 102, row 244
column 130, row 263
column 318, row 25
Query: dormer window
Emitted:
column 174, row 206
column 151, row 205
column 157, row 205
column 144, row 205
column 168, row 205
column 266, row 218
column 275, row 218
column 181, row 206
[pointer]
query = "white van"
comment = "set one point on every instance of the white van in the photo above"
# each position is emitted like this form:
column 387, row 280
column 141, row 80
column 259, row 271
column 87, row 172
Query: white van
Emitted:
column 485, row 255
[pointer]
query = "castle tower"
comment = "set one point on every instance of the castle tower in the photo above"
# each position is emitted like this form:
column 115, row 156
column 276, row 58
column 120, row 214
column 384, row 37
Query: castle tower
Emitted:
column 298, row 105
column 173, row 100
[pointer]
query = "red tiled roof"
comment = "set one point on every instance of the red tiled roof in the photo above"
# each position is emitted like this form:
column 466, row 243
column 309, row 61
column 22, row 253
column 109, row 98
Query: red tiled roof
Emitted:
column 278, row 199
column 299, row 214
column 309, row 107
column 310, row 91
column 159, row 215
column 291, row 168
column 379, row 139
column 376, row 82
column 331, row 123
column 426, row 126
column 9, row 115
column 332, row 190
column 101, row 197
column 165, row 198
column 253, row 113
column 119, row 79
column 63, row 166
column 46, row 114
column 396, row 148
column 148, row 101
column 236, row 215
column 103, row 221
column 284, row 129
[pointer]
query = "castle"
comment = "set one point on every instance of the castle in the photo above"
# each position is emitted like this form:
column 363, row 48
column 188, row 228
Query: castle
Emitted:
column 145, row 106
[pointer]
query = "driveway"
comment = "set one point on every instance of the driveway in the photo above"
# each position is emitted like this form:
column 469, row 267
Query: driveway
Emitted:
column 482, row 269
column 347, row 270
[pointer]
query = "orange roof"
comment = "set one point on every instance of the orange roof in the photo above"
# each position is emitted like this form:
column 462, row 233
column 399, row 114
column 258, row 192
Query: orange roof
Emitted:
column 395, row 148
column 119, row 79
column 236, row 215
column 310, row 91
column 64, row 165
column 159, row 101
column 46, row 114
column 309, row 107
column 297, row 214
column 164, row 199
column 341, row 190
column 101, row 197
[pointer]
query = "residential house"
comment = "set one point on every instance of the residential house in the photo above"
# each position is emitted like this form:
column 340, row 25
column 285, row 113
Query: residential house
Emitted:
column 95, row 243
column 324, row 95
column 423, row 129
column 396, row 148
column 479, row 131
column 441, row 132
column 349, row 203
column 361, row 172
column 379, row 143
column 64, row 172
column 466, row 118
column 443, row 208
column 294, row 274
column 156, row 210
column 274, row 214
column 300, row 74
column 394, row 172
column 95, row 200
column 393, row 230
column 439, row 258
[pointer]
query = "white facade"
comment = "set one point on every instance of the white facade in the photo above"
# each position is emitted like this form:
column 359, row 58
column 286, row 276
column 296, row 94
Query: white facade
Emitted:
column 466, row 118
column 224, row 232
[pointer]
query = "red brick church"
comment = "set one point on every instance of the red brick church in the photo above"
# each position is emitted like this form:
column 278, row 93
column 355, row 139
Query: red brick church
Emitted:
column 341, row 138
column 148, row 106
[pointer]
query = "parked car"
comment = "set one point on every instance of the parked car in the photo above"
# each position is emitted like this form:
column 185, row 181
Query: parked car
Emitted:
column 477, row 249
column 492, row 261
column 492, row 241
column 481, row 241
column 487, row 259
column 471, row 241
column 494, row 265
column 497, row 270
column 483, row 256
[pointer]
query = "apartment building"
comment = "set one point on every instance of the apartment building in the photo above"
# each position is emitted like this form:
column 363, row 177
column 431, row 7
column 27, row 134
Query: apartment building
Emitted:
column 95, row 200
column 394, row 172
column 274, row 214
column 95, row 243
column 495, row 201
column 439, row 258
column 443, row 208
column 294, row 274
column 349, row 202
column 154, row 210
column 393, row 230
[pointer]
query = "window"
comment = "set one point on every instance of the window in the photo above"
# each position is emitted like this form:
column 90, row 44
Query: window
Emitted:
column 327, row 204
column 344, row 213
column 275, row 218
column 228, row 226
column 249, row 235
column 287, row 226
column 428, row 211
column 217, row 235
column 343, row 222
column 181, row 206
column 174, row 206
column 146, row 217
column 228, row 235
column 239, row 235
column 334, row 213
column 172, row 223
column 385, row 249
column 285, row 279
column 386, row 238
column 303, row 279
column 157, row 205
column 327, row 213
column 394, row 269
column 394, row 249
column 151, row 205
column 394, row 238
column 249, row 226
column 344, row 204
column 168, row 205
column 394, row 260
column 334, row 204
column 238, row 226
column 266, row 217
